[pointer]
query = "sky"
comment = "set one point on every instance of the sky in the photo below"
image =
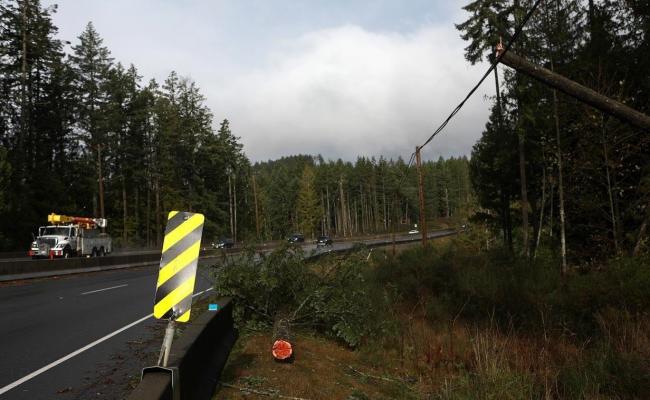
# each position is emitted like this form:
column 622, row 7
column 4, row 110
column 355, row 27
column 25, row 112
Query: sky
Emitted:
column 338, row 78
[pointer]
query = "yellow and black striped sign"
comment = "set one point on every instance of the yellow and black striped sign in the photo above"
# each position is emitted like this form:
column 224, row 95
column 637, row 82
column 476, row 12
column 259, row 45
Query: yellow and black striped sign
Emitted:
column 180, row 254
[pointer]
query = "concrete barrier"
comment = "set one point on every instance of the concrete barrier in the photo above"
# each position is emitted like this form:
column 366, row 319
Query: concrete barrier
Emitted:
column 14, row 269
column 197, row 359
column 27, row 268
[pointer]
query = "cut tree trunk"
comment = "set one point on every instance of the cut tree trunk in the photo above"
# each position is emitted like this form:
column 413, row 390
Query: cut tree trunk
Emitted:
column 282, row 349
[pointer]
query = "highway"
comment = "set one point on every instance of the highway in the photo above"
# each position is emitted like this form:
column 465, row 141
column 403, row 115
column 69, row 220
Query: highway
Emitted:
column 46, row 320
column 85, row 336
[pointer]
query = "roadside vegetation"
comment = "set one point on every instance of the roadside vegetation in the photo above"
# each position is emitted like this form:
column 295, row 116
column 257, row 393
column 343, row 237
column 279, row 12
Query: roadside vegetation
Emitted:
column 454, row 321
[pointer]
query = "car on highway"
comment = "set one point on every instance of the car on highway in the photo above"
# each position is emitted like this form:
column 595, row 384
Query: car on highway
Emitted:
column 413, row 232
column 323, row 241
column 296, row 238
column 223, row 243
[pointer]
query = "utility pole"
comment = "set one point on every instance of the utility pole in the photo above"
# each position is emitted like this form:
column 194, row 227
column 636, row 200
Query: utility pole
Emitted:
column 423, row 221
column 234, row 203
column 343, row 216
column 232, row 226
column 101, row 181
column 257, row 213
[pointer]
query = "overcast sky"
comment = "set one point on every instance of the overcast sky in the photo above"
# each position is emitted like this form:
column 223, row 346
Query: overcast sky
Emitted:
column 332, row 77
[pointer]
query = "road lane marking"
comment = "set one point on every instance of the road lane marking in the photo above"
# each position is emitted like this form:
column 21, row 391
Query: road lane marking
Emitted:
column 101, row 290
column 63, row 359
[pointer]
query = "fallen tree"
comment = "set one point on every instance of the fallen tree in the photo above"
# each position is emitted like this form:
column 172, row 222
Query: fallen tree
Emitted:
column 575, row 90
column 284, row 292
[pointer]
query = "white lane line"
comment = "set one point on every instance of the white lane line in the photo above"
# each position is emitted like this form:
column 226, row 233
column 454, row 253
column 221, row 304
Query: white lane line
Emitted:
column 63, row 359
column 101, row 290
column 69, row 356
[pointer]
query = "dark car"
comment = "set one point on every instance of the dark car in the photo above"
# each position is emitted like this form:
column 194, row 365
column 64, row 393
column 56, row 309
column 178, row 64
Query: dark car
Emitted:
column 223, row 243
column 323, row 241
column 296, row 238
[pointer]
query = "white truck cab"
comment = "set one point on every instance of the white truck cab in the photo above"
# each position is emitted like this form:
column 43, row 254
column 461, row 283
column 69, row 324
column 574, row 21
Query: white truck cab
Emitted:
column 71, row 236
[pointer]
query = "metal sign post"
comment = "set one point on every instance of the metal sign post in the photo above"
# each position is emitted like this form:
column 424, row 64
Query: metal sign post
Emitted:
column 167, row 343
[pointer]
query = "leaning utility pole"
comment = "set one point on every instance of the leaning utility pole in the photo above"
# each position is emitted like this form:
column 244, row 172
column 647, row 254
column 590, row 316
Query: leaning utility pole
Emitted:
column 423, row 220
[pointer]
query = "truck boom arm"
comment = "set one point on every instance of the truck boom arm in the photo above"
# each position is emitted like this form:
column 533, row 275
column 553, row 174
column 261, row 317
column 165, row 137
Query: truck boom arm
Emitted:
column 57, row 219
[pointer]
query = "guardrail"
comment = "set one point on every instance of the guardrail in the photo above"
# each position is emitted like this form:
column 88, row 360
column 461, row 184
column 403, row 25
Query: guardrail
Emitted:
column 197, row 358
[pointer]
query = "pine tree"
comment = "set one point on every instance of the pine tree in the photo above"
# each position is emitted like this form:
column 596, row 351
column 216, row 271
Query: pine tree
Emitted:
column 307, row 207
column 91, row 63
column 33, row 122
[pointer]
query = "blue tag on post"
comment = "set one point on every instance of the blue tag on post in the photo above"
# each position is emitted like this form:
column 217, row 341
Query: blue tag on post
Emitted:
column 213, row 307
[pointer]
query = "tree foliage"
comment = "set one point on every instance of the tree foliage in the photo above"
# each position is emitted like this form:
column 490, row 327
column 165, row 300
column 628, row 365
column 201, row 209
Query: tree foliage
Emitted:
column 64, row 115
column 602, row 45
column 331, row 296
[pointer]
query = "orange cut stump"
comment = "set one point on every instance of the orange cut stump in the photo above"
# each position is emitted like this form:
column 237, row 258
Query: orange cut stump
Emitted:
column 282, row 349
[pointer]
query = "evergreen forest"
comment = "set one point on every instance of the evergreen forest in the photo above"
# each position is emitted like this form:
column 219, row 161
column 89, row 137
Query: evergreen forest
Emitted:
column 70, row 113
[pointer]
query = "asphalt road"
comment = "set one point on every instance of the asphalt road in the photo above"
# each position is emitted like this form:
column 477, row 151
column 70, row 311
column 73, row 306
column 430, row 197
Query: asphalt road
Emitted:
column 43, row 321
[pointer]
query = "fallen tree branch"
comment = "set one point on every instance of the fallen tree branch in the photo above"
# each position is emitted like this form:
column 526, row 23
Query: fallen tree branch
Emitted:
column 383, row 378
column 248, row 390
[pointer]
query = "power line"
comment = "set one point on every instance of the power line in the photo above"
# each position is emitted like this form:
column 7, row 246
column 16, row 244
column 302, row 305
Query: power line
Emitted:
column 487, row 73
column 442, row 126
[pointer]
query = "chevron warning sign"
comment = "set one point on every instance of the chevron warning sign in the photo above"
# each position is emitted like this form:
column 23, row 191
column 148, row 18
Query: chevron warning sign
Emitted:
column 180, row 254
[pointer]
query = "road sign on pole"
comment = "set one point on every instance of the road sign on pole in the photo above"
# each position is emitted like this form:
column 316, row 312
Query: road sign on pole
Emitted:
column 177, row 274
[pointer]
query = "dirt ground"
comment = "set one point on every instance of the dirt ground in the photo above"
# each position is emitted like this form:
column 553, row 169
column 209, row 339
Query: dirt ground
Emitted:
column 321, row 369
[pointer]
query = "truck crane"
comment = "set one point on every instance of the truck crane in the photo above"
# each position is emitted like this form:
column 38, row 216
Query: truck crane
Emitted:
column 67, row 236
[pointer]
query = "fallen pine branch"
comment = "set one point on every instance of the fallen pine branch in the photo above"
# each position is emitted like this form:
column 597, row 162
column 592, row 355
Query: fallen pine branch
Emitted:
column 248, row 390
column 383, row 378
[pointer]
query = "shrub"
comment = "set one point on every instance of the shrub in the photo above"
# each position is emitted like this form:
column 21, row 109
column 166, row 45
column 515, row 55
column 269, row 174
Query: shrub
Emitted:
column 332, row 295
column 511, row 290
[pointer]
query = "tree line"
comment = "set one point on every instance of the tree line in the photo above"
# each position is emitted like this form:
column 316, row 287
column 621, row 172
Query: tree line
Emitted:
column 69, row 118
column 83, row 134
column 313, row 196
column 556, row 172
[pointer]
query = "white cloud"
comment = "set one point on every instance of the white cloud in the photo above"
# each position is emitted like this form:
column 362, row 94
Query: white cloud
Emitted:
column 368, row 85
column 345, row 91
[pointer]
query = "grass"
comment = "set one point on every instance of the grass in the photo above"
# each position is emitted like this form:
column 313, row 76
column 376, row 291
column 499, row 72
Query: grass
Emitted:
column 323, row 369
column 458, row 322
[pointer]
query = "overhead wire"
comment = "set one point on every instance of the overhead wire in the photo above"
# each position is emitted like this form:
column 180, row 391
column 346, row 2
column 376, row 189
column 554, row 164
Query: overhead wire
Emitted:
column 494, row 64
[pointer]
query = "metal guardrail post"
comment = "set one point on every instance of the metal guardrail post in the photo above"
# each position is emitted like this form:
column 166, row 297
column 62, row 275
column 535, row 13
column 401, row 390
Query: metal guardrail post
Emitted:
column 196, row 361
column 173, row 382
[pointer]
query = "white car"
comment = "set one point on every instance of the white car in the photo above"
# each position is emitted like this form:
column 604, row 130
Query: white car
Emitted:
column 413, row 232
